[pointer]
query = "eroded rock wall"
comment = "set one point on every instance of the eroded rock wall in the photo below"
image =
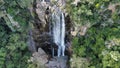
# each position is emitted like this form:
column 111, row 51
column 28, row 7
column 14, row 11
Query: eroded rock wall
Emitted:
column 42, row 18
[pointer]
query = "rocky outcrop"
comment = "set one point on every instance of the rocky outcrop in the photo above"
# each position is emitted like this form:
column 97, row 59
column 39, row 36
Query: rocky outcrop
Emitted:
column 80, row 30
column 39, row 58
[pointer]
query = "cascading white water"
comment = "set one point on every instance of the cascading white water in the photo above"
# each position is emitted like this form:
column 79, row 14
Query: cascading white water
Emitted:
column 58, row 30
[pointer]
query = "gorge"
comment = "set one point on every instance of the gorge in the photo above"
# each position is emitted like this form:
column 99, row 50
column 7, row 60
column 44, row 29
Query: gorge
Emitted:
column 51, row 33
column 59, row 33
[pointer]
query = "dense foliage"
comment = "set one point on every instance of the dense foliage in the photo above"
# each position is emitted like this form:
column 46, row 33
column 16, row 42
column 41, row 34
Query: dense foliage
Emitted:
column 94, row 11
column 12, row 54
column 101, row 44
column 14, row 26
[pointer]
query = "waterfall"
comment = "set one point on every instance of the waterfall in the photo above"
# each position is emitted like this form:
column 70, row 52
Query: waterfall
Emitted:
column 58, row 30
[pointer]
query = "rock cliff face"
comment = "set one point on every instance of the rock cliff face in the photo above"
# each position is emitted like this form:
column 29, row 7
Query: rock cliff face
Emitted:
column 42, row 37
column 42, row 18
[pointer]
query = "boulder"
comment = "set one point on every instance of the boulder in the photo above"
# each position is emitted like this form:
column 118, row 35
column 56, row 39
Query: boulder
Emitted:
column 40, row 58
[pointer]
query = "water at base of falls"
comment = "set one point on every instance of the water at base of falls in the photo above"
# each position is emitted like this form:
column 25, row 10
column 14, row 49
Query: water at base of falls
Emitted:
column 58, row 30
